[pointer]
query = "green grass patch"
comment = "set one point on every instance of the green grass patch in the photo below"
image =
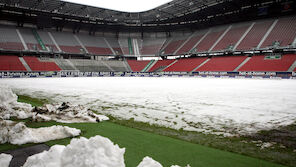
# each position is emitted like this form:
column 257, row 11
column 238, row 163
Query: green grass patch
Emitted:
column 30, row 100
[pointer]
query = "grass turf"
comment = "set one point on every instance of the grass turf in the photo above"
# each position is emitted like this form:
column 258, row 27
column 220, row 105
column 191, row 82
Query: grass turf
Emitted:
column 166, row 150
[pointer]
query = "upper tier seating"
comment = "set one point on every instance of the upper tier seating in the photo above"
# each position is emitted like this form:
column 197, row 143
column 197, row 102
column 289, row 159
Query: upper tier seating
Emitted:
column 190, row 43
column 186, row 64
column 11, row 63
column 255, row 35
column 67, row 42
column 231, row 37
column 36, row 65
column 137, row 66
column 160, row 64
column 284, row 32
column 259, row 63
column 95, row 45
column 47, row 41
column 210, row 39
column 29, row 39
column 151, row 46
column 9, row 39
column 173, row 45
column 224, row 63
column 113, row 42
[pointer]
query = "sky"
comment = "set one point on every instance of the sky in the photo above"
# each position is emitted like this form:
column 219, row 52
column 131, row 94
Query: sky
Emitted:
column 123, row 5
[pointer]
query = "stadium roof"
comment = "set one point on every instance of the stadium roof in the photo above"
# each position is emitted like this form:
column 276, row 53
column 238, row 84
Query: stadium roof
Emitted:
column 176, row 14
column 123, row 5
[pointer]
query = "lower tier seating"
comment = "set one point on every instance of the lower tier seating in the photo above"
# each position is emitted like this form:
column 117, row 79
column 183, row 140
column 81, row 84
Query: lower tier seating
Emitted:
column 186, row 64
column 137, row 66
column 260, row 63
column 228, row 63
column 11, row 63
column 159, row 65
column 36, row 65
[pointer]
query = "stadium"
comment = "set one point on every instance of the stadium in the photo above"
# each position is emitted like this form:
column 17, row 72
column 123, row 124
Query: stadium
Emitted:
column 183, row 83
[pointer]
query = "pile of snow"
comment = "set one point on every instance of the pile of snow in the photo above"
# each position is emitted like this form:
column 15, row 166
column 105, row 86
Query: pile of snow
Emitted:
column 5, row 160
column 18, row 133
column 66, row 113
column 149, row 162
column 9, row 107
column 96, row 151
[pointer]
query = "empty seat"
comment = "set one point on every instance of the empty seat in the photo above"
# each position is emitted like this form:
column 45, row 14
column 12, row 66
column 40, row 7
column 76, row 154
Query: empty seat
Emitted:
column 186, row 64
column 36, row 65
column 225, row 63
column 137, row 66
column 260, row 63
column 11, row 63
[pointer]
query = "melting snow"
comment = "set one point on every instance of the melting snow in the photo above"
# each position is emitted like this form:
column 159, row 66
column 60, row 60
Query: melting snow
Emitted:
column 209, row 105
column 18, row 133
column 5, row 160
column 96, row 151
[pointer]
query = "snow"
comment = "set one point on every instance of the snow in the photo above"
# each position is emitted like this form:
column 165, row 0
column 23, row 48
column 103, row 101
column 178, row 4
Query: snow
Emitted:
column 10, row 107
column 97, row 151
column 17, row 133
column 67, row 113
column 208, row 105
column 149, row 162
column 5, row 159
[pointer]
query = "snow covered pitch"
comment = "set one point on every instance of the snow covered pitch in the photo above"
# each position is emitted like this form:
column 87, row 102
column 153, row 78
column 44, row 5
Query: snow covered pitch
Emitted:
column 209, row 105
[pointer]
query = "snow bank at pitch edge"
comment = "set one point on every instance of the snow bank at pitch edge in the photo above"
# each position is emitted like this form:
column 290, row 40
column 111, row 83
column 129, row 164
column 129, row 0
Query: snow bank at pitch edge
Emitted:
column 5, row 160
column 18, row 133
column 65, row 113
column 96, row 151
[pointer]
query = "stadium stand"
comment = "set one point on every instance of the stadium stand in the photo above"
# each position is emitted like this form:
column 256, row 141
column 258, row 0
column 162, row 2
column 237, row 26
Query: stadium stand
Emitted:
column 67, row 42
column 36, row 65
column 231, row 37
column 95, row 45
column 11, row 63
column 210, row 39
column 225, row 63
column 255, row 35
column 186, row 64
column 192, row 42
column 118, row 66
column 260, row 63
column 85, row 65
column 126, row 46
column 151, row 46
column 113, row 42
column 160, row 65
column 137, row 66
column 30, row 40
column 9, row 39
column 49, row 44
column 64, row 64
column 174, row 44
column 284, row 32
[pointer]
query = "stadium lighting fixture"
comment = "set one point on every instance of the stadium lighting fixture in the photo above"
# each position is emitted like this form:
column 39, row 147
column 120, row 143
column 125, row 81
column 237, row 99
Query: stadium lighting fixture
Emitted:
column 123, row 5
